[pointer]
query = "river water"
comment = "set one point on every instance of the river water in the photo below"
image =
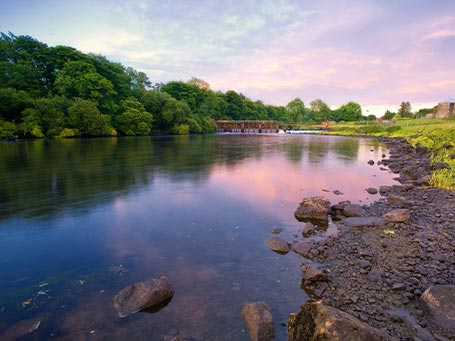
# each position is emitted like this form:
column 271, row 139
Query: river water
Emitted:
column 81, row 219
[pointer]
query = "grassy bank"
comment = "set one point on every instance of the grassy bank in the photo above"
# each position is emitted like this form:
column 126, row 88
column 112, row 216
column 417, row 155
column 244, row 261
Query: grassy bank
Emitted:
column 438, row 135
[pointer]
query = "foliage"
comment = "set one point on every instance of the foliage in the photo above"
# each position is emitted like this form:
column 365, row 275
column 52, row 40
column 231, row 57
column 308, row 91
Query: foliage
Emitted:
column 87, row 120
column 134, row 119
column 348, row 112
column 296, row 110
column 405, row 110
column 388, row 115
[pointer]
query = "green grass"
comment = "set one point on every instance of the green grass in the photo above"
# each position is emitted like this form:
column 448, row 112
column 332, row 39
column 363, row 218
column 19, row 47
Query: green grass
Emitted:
column 438, row 135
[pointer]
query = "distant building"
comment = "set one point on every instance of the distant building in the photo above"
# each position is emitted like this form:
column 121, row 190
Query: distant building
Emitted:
column 446, row 109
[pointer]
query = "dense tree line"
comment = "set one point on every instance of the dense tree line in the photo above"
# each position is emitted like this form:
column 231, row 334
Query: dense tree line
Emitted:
column 62, row 92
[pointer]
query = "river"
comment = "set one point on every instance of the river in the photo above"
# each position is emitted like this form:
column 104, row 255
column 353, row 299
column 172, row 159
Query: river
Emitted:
column 81, row 219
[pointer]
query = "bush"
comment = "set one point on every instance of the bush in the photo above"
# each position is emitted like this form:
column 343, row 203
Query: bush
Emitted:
column 181, row 129
column 392, row 129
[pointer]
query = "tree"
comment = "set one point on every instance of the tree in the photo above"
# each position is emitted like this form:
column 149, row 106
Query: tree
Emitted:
column 80, row 79
column 320, row 110
column 350, row 111
column 13, row 102
column 405, row 110
column 85, row 117
column 296, row 110
column 200, row 83
column 388, row 115
column 134, row 120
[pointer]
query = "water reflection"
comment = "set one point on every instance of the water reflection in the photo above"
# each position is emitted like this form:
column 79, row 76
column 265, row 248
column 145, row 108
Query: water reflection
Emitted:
column 45, row 177
column 197, row 209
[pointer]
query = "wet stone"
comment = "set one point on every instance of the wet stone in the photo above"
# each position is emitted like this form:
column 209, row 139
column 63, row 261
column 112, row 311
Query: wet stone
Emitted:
column 278, row 245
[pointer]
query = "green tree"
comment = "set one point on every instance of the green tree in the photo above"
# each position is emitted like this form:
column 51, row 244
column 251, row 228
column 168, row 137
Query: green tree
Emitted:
column 134, row 120
column 348, row 112
column 87, row 120
column 388, row 115
column 30, row 125
column 320, row 110
column 405, row 110
column 52, row 120
column 296, row 110
column 13, row 102
column 79, row 79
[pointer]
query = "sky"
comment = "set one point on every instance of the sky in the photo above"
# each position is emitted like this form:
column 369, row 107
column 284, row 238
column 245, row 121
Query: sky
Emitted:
column 374, row 52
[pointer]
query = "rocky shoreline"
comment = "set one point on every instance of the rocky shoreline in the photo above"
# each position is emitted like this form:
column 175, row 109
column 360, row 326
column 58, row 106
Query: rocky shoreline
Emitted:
column 377, row 272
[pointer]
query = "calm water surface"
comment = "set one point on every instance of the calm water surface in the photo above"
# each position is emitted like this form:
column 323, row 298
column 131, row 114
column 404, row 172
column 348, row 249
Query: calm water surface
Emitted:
column 81, row 219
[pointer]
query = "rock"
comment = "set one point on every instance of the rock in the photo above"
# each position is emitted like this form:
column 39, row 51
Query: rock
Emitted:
column 394, row 199
column 439, row 306
column 308, row 228
column 312, row 274
column 363, row 221
column 303, row 248
column 399, row 215
column 409, row 173
column 313, row 208
column 278, row 245
column 316, row 321
column 364, row 264
column 21, row 329
column 424, row 180
column 142, row 295
column 384, row 190
column 371, row 162
column 372, row 190
column 353, row 210
column 375, row 276
column 259, row 321
column 277, row 230
column 398, row 286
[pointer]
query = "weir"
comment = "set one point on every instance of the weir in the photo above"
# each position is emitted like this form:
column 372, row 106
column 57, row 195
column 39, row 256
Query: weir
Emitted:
column 247, row 127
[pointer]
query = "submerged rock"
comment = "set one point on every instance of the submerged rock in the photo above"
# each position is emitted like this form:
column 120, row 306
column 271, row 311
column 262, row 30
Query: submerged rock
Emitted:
column 278, row 245
column 399, row 215
column 439, row 303
column 21, row 329
column 313, row 208
column 142, row 295
column 372, row 190
column 316, row 321
column 259, row 321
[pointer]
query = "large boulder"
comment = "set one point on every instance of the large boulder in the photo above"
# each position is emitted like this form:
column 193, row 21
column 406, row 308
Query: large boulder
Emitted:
column 259, row 321
column 143, row 295
column 313, row 208
column 316, row 321
column 439, row 304
column 400, row 215
column 278, row 245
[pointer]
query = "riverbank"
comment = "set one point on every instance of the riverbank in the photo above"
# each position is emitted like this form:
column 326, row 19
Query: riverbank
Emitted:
column 378, row 273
